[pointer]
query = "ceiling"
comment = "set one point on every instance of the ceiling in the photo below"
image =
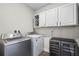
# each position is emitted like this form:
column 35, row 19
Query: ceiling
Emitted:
column 36, row 6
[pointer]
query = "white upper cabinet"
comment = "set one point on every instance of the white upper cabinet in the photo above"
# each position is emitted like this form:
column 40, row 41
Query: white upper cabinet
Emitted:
column 41, row 19
column 68, row 15
column 52, row 17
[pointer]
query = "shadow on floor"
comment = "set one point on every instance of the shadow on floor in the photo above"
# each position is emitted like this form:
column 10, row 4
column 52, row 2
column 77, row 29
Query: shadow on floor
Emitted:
column 44, row 54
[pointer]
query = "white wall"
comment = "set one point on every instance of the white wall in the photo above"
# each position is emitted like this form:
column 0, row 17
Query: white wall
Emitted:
column 15, row 16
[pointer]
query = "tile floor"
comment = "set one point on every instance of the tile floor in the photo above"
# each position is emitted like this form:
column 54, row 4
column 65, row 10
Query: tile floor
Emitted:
column 44, row 54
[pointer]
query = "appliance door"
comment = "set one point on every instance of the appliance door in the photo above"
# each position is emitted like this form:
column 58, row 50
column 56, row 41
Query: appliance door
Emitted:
column 67, row 49
column 54, row 48
column 18, row 49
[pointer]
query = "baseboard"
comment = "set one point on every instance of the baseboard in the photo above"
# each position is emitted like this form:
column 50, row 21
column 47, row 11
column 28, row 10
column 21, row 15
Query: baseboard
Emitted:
column 46, row 50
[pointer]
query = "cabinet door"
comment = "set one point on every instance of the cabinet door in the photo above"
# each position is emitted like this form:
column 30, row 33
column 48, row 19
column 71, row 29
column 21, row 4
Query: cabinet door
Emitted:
column 41, row 44
column 68, row 14
column 42, row 19
column 35, row 46
column 52, row 17
column 46, row 43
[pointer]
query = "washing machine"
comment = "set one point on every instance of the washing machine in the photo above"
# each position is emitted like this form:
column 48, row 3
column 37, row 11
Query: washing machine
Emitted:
column 15, row 46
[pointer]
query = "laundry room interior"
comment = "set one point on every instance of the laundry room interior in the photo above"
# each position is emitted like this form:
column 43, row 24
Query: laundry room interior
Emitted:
column 39, row 29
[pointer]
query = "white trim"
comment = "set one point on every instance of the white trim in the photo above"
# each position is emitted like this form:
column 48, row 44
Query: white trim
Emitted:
column 46, row 50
